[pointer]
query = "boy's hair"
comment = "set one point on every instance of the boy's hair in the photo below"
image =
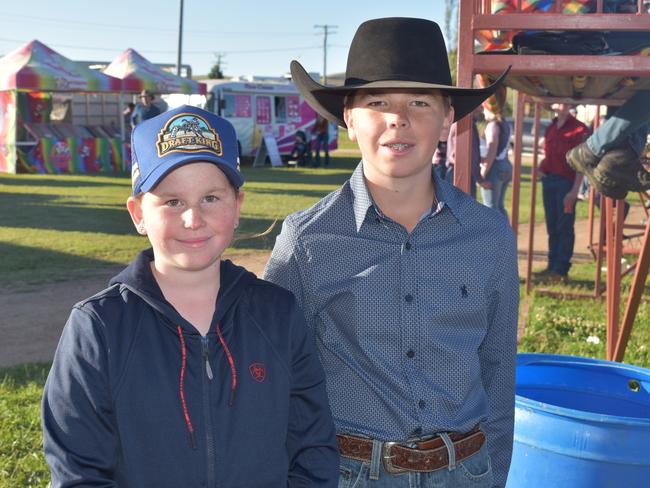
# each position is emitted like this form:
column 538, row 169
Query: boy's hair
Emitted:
column 348, row 101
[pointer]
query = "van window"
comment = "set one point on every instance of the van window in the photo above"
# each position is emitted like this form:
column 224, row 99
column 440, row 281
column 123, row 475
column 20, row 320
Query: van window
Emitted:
column 280, row 109
column 228, row 106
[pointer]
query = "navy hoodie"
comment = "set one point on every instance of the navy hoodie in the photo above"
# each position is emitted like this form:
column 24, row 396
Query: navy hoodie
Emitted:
column 136, row 397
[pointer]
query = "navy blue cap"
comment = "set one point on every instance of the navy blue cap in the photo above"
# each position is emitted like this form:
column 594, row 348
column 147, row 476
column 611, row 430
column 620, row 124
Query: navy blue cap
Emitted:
column 184, row 135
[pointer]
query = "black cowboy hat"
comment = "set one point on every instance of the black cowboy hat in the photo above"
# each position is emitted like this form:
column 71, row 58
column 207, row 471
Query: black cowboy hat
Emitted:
column 392, row 53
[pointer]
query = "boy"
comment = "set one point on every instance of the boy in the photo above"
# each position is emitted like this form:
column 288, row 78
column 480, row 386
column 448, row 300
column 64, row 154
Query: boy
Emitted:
column 188, row 370
column 410, row 285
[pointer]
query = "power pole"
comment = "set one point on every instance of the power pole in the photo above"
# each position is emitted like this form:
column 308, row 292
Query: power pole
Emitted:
column 180, row 39
column 326, row 30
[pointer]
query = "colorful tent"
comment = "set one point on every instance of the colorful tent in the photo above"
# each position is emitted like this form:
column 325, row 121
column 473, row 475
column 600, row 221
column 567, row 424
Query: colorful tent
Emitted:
column 36, row 67
column 135, row 70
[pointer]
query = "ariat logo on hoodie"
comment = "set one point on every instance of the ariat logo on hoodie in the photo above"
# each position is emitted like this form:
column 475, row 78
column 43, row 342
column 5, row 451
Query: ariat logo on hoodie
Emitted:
column 258, row 371
column 188, row 133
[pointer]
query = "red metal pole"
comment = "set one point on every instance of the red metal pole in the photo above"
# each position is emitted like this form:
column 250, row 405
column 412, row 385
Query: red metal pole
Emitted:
column 533, row 194
column 464, row 70
column 516, row 170
column 633, row 300
column 600, row 248
column 614, row 229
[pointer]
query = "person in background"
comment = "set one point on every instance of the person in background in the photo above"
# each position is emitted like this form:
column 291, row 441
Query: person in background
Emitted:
column 440, row 156
column 144, row 110
column 321, row 131
column 560, row 187
column 496, row 169
column 127, row 113
column 476, row 177
column 611, row 157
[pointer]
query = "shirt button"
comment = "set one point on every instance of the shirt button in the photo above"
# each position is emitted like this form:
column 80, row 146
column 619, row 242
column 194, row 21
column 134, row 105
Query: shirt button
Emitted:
column 422, row 404
column 408, row 298
column 410, row 353
column 407, row 246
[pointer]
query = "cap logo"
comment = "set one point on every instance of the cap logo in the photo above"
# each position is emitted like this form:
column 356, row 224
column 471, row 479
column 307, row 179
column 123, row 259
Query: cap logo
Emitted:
column 188, row 133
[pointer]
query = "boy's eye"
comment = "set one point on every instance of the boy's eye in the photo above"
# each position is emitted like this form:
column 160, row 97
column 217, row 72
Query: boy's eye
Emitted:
column 174, row 202
column 211, row 198
column 420, row 103
column 375, row 103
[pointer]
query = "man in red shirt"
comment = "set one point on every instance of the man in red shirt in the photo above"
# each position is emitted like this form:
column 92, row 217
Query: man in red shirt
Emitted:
column 560, row 185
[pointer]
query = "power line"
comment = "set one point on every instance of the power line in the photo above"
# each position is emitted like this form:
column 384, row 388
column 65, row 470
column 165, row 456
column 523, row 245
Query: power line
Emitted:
column 158, row 51
column 326, row 30
column 155, row 29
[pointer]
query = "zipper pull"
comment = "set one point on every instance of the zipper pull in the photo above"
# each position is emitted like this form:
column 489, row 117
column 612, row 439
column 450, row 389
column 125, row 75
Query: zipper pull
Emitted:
column 204, row 345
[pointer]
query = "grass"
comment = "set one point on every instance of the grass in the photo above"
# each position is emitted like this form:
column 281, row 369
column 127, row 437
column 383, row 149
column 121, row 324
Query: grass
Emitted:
column 56, row 228
column 21, row 449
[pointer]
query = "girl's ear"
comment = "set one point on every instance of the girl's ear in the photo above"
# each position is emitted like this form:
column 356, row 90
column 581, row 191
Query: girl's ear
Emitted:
column 134, row 206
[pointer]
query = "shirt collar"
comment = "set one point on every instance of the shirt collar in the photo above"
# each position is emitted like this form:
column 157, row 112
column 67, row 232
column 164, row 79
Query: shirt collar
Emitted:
column 362, row 200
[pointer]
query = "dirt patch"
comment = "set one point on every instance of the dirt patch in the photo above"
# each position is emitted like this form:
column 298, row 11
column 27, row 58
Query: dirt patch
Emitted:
column 31, row 321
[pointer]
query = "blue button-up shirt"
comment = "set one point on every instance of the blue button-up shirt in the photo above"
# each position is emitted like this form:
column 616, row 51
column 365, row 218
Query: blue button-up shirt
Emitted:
column 416, row 332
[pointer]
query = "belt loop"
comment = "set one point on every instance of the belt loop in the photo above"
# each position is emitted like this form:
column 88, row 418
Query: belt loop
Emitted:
column 375, row 460
column 450, row 450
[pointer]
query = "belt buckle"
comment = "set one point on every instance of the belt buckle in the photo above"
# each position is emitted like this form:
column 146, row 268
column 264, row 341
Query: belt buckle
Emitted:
column 386, row 459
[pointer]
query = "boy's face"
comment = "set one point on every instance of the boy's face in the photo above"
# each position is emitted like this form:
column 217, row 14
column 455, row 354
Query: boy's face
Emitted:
column 397, row 130
column 189, row 217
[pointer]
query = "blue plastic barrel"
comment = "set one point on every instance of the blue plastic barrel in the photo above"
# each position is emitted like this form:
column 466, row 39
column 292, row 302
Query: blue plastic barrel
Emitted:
column 580, row 423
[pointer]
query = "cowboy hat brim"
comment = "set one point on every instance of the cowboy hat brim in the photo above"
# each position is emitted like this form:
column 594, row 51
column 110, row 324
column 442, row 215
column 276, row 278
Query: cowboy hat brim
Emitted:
column 328, row 101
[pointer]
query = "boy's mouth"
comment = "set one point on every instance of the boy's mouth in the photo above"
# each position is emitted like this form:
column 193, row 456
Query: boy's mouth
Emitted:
column 398, row 146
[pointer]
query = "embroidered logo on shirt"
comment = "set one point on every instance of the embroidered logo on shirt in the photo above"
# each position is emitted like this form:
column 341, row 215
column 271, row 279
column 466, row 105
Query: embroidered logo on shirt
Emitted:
column 463, row 291
column 258, row 371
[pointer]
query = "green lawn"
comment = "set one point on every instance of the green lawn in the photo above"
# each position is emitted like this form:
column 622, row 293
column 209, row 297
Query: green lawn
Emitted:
column 55, row 228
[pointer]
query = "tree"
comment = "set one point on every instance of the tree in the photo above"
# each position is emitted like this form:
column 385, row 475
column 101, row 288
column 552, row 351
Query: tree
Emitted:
column 216, row 72
column 451, row 23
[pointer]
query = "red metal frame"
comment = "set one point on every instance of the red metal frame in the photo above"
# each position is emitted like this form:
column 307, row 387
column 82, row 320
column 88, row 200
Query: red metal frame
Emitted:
column 476, row 15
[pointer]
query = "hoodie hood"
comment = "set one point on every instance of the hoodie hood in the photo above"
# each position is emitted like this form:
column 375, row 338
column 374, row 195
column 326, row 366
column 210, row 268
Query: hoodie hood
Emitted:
column 139, row 279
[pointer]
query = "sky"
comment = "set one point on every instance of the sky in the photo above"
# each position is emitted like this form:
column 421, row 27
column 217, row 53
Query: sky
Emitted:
column 254, row 37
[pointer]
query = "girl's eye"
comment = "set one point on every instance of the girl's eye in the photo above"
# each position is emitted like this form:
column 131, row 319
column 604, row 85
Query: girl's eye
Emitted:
column 173, row 202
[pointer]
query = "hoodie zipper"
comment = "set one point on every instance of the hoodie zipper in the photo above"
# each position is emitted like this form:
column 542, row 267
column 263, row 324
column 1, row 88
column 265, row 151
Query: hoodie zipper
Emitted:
column 207, row 380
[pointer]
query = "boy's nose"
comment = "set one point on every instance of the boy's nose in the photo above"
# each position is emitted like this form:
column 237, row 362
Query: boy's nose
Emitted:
column 192, row 218
column 398, row 118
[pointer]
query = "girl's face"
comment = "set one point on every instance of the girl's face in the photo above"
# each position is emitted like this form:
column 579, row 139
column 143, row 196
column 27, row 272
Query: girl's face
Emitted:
column 189, row 217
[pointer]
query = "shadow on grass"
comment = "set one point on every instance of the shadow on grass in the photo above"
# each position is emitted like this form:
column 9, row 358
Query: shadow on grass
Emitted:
column 25, row 374
column 22, row 265
column 43, row 212
column 336, row 174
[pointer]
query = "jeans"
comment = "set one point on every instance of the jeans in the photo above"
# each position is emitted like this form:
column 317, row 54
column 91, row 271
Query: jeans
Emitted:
column 559, row 225
column 500, row 175
column 322, row 139
column 630, row 122
column 474, row 471
column 449, row 176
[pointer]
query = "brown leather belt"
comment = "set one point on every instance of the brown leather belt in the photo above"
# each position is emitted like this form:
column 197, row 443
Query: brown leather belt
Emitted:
column 428, row 455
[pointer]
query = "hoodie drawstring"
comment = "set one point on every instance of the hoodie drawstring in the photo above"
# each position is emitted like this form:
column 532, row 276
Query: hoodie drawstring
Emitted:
column 188, row 422
column 233, row 371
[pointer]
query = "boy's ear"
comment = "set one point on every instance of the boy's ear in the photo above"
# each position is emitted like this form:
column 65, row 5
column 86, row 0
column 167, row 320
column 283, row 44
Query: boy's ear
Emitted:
column 449, row 119
column 134, row 206
column 349, row 122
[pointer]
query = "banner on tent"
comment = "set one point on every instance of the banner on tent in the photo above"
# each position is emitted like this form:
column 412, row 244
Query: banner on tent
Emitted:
column 75, row 155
